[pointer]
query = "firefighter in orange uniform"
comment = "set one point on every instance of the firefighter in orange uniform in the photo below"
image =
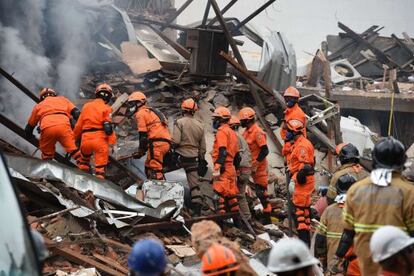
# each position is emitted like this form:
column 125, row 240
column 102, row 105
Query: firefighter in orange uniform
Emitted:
column 301, row 168
column 292, row 111
column 225, row 156
column 256, row 139
column 53, row 114
column 94, row 130
column 154, row 136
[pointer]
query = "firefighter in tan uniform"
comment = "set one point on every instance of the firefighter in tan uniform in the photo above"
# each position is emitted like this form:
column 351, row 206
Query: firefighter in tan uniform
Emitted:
column 348, row 156
column 384, row 198
column 331, row 227
column 245, row 168
column 190, row 144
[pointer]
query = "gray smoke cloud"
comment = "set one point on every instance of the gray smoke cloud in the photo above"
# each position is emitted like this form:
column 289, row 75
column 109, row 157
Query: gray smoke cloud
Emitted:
column 43, row 43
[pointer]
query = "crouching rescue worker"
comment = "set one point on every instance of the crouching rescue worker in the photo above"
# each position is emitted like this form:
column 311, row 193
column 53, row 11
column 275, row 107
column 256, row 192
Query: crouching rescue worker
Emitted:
column 53, row 114
column 384, row 198
column 256, row 139
column 154, row 136
column 301, row 169
column 147, row 258
column 348, row 156
column 95, row 131
column 244, row 171
column 219, row 261
column 331, row 227
column 292, row 112
column 190, row 144
column 225, row 156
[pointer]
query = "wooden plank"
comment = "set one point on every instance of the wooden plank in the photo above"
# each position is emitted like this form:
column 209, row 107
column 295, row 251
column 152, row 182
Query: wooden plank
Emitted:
column 111, row 263
column 119, row 102
column 80, row 259
column 123, row 246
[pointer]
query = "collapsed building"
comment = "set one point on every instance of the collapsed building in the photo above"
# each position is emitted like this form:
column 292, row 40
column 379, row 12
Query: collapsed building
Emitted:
column 92, row 223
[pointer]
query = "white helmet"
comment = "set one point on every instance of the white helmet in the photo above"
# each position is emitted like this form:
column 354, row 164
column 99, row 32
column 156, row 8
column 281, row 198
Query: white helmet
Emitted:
column 290, row 254
column 387, row 241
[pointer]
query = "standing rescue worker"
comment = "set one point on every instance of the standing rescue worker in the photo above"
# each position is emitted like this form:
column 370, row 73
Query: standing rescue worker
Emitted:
column 256, row 139
column 53, row 114
column 244, row 171
column 225, row 156
column 331, row 227
column 190, row 144
column 393, row 249
column 348, row 156
column 292, row 112
column 384, row 198
column 301, row 169
column 95, row 131
column 154, row 136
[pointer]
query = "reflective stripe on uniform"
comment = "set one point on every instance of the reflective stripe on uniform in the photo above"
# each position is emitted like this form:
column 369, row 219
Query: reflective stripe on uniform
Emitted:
column 334, row 235
column 322, row 227
column 348, row 218
column 370, row 228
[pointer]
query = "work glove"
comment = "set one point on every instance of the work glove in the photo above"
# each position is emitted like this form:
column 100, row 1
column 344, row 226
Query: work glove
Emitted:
column 202, row 167
column 336, row 266
column 322, row 190
column 292, row 186
column 217, row 171
column 303, row 173
column 28, row 130
column 258, row 208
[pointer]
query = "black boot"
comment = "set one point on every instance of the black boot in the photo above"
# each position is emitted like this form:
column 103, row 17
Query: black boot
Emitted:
column 304, row 235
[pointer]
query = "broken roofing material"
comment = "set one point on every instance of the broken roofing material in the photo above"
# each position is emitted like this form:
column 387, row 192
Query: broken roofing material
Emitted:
column 103, row 189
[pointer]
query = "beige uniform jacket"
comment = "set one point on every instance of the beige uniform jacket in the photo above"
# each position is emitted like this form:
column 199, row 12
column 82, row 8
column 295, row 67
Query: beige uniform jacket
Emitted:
column 369, row 206
column 246, row 156
column 354, row 169
column 331, row 226
column 189, row 137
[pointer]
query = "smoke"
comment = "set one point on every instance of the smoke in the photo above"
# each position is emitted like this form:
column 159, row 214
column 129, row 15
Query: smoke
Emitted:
column 43, row 43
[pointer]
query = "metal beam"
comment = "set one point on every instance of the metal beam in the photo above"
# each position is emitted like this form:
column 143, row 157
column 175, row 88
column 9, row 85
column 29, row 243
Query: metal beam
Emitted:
column 253, row 15
column 206, row 12
column 178, row 12
column 19, row 85
column 223, row 11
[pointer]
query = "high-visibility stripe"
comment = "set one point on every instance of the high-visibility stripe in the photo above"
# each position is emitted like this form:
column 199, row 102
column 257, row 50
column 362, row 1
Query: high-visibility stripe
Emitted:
column 348, row 218
column 370, row 228
column 334, row 235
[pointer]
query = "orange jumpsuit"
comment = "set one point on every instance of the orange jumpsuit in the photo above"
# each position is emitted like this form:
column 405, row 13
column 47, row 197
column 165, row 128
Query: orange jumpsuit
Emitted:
column 293, row 113
column 159, row 140
column 94, row 140
column 53, row 115
column 226, row 185
column 302, row 153
column 256, row 138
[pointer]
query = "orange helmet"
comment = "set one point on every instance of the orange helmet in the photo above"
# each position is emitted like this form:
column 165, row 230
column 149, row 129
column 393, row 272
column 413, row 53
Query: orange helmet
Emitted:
column 339, row 148
column 295, row 125
column 291, row 92
column 218, row 260
column 189, row 105
column 247, row 113
column 234, row 121
column 104, row 91
column 137, row 96
column 222, row 112
column 44, row 92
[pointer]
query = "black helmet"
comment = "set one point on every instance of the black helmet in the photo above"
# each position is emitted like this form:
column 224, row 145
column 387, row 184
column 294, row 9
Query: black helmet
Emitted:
column 389, row 153
column 344, row 182
column 347, row 153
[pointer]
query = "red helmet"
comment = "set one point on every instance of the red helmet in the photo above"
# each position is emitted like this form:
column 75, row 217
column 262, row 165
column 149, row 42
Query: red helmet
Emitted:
column 137, row 96
column 234, row 121
column 189, row 105
column 222, row 112
column 44, row 92
column 295, row 125
column 246, row 113
column 291, row 92
column 218, row 260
